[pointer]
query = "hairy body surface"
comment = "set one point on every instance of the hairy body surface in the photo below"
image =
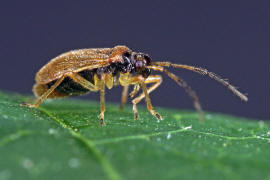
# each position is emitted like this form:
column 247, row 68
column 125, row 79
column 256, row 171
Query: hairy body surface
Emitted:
column 81, row 71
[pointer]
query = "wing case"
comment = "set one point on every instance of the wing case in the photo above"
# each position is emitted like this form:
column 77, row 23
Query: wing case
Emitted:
column 76, row 61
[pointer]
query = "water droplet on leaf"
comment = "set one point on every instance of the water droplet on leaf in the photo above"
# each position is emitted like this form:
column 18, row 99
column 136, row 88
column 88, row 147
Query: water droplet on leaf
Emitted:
column 27, row 163
column 74, row 163
column 169, row 136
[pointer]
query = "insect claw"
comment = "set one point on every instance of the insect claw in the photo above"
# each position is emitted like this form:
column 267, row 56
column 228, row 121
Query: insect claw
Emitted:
column 102, row 123
column 136, row 116
column 24, row 104
column 159, row 117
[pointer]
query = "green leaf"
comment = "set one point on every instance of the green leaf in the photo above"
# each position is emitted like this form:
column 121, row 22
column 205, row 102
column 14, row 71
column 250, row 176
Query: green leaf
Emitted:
column 63, row 140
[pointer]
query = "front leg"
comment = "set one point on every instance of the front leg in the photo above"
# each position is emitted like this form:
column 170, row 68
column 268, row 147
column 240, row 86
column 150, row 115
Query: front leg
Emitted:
column 102, row 99
column 157, row 80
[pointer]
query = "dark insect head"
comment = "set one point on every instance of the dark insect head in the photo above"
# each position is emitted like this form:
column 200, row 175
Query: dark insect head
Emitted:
column 137, row 63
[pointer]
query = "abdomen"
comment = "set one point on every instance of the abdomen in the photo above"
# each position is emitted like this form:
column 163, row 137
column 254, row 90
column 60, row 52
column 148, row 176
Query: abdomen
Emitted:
column 67, row 87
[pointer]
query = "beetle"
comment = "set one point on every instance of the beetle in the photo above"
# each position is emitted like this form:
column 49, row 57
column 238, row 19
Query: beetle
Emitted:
column 80, row 71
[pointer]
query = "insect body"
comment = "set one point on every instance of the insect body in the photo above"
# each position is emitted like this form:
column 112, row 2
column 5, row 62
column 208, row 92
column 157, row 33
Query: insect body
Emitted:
column 80, row 71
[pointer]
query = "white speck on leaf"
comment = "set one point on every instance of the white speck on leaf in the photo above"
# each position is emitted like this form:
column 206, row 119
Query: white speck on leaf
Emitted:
column 52, row 131
column 158, row 139
column 188, row 127
column 209, row 116
column 27, row 163
column 74, row 163
column 5, row 174
column 169, row 136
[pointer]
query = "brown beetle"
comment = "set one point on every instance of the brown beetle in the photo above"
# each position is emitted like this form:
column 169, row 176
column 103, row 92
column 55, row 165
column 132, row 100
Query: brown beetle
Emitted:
column 80, row 71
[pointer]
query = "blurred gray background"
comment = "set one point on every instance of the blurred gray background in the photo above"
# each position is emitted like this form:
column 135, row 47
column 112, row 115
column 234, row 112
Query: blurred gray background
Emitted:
column 231, row 38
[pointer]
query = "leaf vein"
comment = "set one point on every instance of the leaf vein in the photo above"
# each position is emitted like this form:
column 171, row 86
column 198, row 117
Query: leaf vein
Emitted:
column 147, row 136
column 111, row 172
column 15, row 136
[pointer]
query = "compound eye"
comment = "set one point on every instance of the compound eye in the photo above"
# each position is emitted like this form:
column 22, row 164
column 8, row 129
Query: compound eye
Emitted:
column 146, row 72
column 148, row 60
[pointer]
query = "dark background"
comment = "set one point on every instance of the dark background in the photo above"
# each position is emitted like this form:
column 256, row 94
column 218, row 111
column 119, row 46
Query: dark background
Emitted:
column 230, row 38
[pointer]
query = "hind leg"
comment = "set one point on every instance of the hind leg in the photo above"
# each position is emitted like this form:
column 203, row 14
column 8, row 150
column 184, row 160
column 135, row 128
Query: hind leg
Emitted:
column 102, row 99
column 83, row 82
column 45, row 95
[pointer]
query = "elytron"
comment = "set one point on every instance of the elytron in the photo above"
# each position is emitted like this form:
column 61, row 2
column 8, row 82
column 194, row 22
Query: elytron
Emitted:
column 80, row 71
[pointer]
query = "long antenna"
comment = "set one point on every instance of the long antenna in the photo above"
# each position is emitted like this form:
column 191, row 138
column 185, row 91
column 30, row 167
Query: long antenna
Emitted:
column 203, row 71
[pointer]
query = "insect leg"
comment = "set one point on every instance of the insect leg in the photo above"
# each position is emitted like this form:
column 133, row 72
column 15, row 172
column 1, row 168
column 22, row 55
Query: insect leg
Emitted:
column 124, row 97
column 157, row 79
column 46, row 94
column 186, row 87
column 102, row 99
column 83, row 82
column 148, row 102
column 136, row 89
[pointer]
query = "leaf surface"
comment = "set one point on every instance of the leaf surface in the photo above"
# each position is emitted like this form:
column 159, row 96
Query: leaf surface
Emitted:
column 63, row 140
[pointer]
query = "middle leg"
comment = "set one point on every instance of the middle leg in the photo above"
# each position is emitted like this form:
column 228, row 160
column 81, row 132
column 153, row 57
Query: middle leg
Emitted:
column 124, row 97
column 102, row 99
